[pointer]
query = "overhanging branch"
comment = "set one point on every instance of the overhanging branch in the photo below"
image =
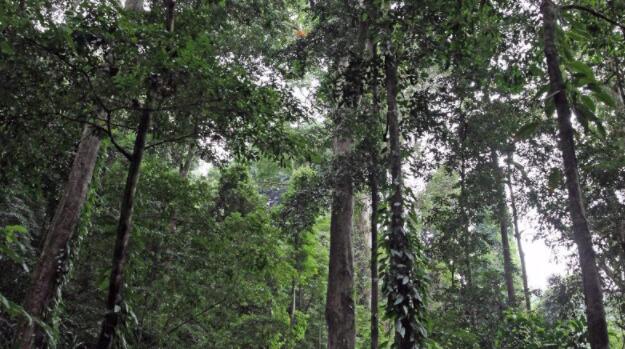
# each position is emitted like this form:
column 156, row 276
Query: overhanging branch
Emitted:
column 594, row 13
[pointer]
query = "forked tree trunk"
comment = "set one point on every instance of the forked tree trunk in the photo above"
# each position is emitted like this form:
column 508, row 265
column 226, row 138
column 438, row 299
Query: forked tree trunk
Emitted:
column 517, row 235
column 593, row 294
column 502, row 216
column 49, row 267
column 124, row 227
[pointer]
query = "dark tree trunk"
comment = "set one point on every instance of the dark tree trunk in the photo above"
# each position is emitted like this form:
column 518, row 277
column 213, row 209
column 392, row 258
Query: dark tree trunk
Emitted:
column 124, row 227
column 47, row 272
column 517, row 235
column 593, row 294
column 502, row 215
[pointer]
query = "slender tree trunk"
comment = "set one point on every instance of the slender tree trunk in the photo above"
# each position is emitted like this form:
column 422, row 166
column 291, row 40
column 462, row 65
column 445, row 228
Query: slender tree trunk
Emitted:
column 293, row 302
column 502, row 215
column 375, row 203
column 466, row 233
column 517, row 235
column 47, row 272
column 374, row 187
column 593, row 294
column 124, row 227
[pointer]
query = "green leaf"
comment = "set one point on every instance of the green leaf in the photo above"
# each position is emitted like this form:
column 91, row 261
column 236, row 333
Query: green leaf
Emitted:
column 582, row 68
column 399, row 327
column 588, row 102
column 526, row 131
column 555, row 178
column 583, row 115
column 550, row 107
column 6, row 48
column 600, row 94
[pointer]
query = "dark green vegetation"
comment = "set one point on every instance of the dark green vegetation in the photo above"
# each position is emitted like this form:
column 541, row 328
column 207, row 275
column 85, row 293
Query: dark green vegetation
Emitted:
column 310, row 173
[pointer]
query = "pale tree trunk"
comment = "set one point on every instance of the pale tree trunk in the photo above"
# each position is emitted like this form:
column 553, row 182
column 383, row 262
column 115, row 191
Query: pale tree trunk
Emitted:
column 340, row 306
column 593, row 294
column 502, row 216
column 48, row 270
column 517, row 235
column 374, row 188
column 375, row 203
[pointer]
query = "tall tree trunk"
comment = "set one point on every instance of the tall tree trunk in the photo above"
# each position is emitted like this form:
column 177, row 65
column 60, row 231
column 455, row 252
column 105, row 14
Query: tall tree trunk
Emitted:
column 593, row 295
column 401, row 265
column 502, row 215
column 375, row 203
column 374, row 186
column 47, row 272
column 340, row 314
column 340, row 306
column 124, row 227
column 465, row 286
column 517, row 235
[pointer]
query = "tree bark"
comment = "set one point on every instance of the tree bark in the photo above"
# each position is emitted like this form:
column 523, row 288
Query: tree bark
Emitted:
column 49, row 267
column 340, row 314
column 340, row 306
column 375, row 203
column 517, row 235
column 502, row 215
column 124, row 227
column 593, row 294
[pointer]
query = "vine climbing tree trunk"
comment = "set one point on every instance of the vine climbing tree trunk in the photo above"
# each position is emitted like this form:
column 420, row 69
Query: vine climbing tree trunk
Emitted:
column 47, row 272
column 517, row 235
column 402, row 289
column 502, row 215
column 593, row 294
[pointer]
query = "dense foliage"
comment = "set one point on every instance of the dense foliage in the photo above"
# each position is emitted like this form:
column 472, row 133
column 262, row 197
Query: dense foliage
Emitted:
column 311, row 174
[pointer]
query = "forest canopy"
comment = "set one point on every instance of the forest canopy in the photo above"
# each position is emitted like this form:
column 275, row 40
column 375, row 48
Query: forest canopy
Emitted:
column 332, row 174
